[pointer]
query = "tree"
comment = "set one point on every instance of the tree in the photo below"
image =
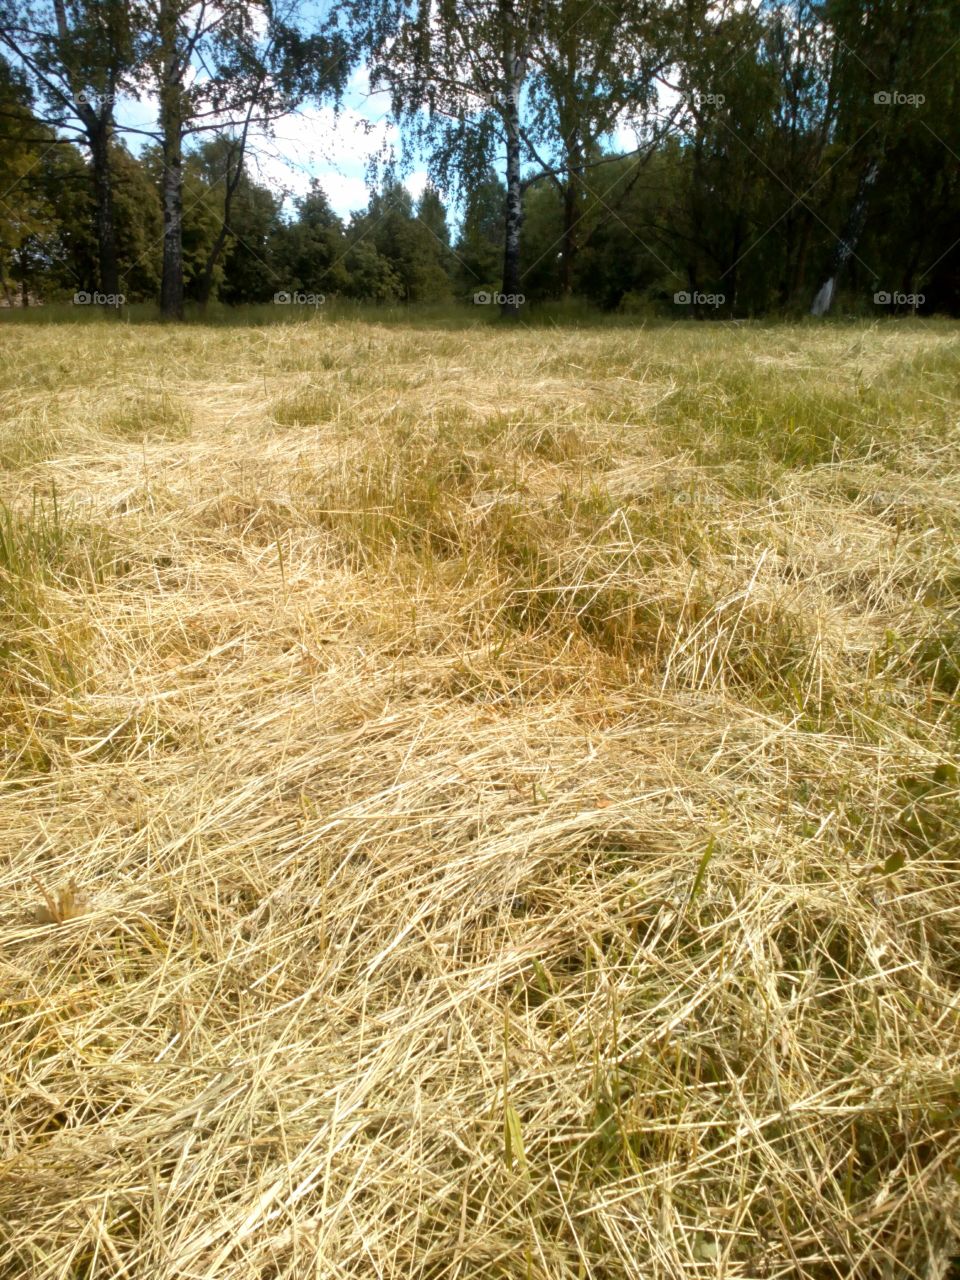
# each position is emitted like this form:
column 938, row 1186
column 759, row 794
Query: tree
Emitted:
column 456, row 75
column 242, row 212
column 593, row 70
column 479, row 246
column 23, row 140
column 415, row 253
column 728, row 154
column 877, row 47
column 432, row 214
column 78, row 55
column 225, row 66
column 310, row 250
column 249, row 267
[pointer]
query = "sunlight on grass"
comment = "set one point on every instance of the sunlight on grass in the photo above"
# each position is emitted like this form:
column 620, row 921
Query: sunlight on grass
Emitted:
column 480, row 803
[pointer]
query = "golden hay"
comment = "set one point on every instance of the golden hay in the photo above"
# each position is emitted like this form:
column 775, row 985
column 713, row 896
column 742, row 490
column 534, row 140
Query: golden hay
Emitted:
column 480, row 803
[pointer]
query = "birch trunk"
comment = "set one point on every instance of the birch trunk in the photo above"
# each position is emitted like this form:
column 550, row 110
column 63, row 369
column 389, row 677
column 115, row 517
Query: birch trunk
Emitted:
column 171, row 124
column 514, row 210
column 847, row 244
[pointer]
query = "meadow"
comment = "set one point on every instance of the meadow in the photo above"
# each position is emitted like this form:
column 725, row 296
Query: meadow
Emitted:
column 479, row 802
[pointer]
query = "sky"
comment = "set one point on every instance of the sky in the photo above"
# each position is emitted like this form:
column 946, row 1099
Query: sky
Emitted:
column 333, row 146
column 318, row 142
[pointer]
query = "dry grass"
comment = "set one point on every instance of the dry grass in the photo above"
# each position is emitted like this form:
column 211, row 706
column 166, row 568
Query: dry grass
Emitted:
column 479, row 803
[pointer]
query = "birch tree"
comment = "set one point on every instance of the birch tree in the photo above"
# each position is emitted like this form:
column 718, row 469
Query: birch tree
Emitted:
column 879, row 50
column 456, row 75
column 594, row 74
column 224, row 66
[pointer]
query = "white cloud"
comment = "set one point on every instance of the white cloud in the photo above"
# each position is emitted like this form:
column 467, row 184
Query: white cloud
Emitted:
column 320, row 143
column 358, row 86
column 317, row 142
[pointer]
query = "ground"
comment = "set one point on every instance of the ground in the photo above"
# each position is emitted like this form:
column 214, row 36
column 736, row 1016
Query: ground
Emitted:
column 479, row 801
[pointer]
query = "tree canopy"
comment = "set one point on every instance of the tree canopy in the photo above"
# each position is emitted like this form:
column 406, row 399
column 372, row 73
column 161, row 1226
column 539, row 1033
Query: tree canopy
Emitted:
column 732, row 160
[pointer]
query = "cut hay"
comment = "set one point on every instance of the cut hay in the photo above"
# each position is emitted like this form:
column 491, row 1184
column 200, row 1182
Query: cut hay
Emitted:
column 480, row 804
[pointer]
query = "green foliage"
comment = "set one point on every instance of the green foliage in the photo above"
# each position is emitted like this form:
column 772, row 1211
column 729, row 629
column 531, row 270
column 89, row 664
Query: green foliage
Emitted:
column 738, row 187
column 414, row 247
column 23, row 211
column 310, row 249
column 479, row 251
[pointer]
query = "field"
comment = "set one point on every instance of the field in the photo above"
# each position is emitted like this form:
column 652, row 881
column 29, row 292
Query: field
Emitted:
column 479, row 802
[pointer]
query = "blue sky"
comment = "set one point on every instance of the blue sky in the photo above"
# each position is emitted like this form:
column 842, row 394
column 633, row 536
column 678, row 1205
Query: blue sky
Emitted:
column 334, row 146
column 318, row 142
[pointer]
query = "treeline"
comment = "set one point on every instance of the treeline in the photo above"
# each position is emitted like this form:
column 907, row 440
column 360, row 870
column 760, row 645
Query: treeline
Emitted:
column 395, row 250
column 727, row 159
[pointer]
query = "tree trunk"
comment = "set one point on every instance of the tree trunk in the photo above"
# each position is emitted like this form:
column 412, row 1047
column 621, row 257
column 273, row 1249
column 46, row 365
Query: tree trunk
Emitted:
column 96, row 116
column 570, row 241
column 899, row 44
column 5, row 286
column 171, row 285
column 231, row 178
column 847, row 244
column 908, row 279
column 205, row 285
column 171, row 124
column 733, row 284
column 103, row 187
column 514, row 210
column 797, row 273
